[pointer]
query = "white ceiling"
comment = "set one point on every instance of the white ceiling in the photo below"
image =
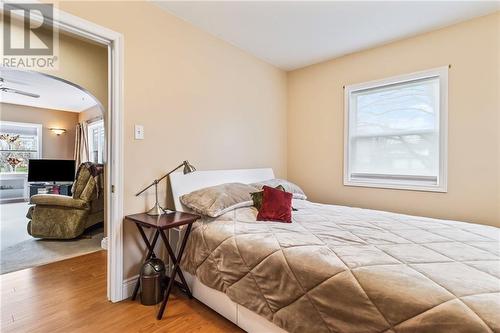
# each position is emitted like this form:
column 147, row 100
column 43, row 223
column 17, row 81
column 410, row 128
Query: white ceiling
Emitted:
column 55, row 93
column 294, row 34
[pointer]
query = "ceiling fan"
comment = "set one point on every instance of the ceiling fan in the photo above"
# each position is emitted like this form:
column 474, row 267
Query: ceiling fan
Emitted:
column 15, row 91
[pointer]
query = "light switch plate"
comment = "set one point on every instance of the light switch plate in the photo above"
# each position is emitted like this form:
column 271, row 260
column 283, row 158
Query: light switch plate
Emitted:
column 139, row 132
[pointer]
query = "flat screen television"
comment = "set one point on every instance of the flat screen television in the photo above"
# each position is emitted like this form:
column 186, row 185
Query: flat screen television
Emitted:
column 45, row 170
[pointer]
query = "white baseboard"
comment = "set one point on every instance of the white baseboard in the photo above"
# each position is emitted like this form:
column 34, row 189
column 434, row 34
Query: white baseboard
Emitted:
column 128, row 286
column 104, row 243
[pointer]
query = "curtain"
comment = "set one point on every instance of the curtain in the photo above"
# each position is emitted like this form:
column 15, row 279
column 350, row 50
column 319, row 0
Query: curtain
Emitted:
column 81, row 144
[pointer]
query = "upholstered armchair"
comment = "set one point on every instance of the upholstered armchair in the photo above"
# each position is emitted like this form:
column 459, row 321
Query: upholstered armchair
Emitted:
column 62, row 217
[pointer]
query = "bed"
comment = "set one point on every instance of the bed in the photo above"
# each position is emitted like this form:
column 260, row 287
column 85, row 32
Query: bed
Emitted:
column 340, row 269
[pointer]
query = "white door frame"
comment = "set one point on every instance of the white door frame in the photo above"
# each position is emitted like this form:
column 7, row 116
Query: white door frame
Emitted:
column 74, row 25
column 114, row 41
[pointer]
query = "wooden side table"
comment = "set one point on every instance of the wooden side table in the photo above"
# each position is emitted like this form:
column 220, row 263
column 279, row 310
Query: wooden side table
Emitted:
column 160, row 224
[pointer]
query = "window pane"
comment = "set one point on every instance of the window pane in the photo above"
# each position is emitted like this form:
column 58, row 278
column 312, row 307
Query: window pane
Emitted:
column 96, row 141
column 101, row 144
column 399, row 155
column 18, row 144
column 394, row 130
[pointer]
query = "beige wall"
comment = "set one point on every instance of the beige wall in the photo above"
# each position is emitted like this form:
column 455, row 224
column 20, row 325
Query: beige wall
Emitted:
column 204, row 100
column 316, row 114
column 53, row 146
column 90, row 115
column 198, row 98
column 84, row 64
column 79, row 61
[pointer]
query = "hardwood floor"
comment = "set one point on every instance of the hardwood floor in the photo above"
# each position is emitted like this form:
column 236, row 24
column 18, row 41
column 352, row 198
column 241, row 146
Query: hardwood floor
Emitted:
column 70, row 296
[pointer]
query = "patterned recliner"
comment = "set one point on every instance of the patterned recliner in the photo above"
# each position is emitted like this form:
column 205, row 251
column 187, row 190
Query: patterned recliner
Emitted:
column 63, row 217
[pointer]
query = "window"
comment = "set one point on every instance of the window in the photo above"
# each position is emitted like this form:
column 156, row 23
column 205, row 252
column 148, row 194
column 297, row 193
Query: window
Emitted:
column 396, row 132
column 19, row 142
column 96, row 141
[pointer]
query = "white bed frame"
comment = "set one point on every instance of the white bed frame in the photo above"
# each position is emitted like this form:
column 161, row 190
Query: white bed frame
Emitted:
column 218, row 301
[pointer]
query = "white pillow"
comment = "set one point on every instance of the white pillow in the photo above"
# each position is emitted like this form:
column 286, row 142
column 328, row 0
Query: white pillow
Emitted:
column 288, row 186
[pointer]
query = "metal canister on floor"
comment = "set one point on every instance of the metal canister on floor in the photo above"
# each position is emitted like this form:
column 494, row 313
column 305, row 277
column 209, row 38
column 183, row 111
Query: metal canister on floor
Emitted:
column 152, row 281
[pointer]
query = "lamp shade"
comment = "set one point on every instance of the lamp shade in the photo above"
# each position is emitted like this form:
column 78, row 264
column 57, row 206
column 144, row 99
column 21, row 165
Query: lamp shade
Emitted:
column 188, row 168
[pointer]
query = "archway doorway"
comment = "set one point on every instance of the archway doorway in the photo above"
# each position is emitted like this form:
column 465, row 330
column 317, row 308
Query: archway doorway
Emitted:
column 75, row 26
column 44, row 119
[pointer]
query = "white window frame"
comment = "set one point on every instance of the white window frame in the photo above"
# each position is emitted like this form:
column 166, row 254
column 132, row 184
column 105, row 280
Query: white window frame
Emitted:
column 90, row 126
column 39, row 132
column 397, row 182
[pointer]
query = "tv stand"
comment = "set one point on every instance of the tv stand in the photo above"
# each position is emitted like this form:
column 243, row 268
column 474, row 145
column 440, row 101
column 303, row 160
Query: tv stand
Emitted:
column 13, row 187
column 50, row 188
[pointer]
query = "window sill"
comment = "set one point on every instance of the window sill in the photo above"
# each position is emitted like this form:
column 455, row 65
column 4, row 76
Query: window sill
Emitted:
column 13, row 173
column 441, row 188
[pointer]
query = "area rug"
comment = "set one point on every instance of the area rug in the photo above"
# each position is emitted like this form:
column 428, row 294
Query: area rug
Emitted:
column 18, row 250
column 36, row 252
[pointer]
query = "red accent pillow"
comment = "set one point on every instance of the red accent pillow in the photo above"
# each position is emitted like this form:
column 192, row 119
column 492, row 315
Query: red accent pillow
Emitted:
column 276, row 206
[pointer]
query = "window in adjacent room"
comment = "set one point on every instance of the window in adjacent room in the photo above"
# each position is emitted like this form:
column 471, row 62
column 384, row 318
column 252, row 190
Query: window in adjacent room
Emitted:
column 19, row 142
column 395, row 132
column 96, row 141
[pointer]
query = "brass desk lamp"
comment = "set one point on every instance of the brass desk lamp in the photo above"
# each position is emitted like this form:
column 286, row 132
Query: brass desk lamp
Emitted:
column 157, row 209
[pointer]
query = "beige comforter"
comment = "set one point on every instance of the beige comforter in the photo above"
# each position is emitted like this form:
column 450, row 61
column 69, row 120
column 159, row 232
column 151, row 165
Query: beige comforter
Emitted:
column 341, row 269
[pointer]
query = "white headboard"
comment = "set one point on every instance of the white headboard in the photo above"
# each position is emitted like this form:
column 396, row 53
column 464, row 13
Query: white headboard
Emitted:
column 183, row 184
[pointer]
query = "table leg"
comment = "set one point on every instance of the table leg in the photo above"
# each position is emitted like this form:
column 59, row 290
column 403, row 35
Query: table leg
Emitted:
column 150, row 254
column 171, row 254
column 176, row 270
